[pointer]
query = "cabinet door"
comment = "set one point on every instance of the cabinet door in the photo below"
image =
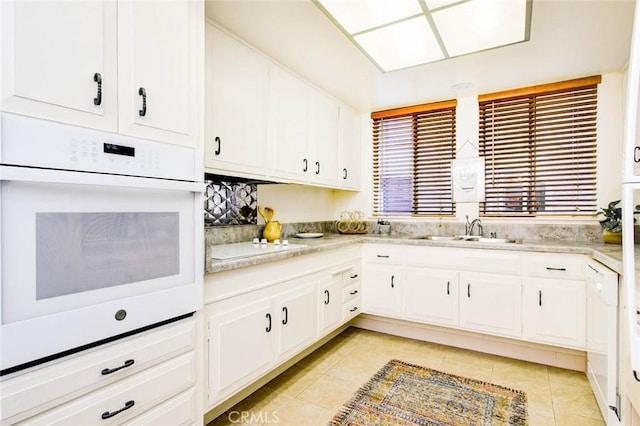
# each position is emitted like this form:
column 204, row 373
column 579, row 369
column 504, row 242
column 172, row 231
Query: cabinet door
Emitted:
column 349, row 151
column 240, row 347
column 330, row 303
column 297, row 318
column 382, row 289
column 324, row 139
column 289, row 121
column 237, row 87
column 491, row 303
column 431, row 295
column 160, row 56
column 51, row 52
column 554, row 311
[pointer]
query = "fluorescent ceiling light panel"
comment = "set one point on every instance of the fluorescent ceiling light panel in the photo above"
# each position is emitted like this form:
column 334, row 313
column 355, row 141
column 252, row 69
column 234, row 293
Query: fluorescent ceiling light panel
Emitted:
column 397, row 34
column 401, row 45
column 481, row 25
column 360, row 15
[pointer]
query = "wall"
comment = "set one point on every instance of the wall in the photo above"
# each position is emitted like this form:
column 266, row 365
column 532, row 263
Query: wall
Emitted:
column 322, row 204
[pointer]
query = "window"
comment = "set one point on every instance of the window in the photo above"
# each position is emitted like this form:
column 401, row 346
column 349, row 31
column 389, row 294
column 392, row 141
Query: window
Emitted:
column 412, row 152
column 539, row 146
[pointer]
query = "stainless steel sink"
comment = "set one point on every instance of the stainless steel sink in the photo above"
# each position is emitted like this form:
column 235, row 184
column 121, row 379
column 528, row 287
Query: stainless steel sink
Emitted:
column 490, row 240
column 438, row 237
column 470, row 238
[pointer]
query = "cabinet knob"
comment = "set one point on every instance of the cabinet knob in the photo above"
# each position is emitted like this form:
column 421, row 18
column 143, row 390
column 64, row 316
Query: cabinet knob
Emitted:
column 97, row 77
column 317, row 167
column 305, row 167
column 448, row 285
column 392, row 278
column 344, row 173
column 354, row 292
column 539, row 297
column 285, row 311
column 636, row 154
column 327, row 299
column 469, row 290
column 355, row 308
column 142, row 92
column 219, row 147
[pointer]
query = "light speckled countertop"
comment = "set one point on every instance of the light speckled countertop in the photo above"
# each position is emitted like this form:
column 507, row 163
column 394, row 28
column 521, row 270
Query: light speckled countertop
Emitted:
column 608, row 254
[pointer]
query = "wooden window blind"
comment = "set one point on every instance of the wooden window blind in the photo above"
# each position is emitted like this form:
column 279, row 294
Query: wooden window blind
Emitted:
column 412, row 152
column 539, row 146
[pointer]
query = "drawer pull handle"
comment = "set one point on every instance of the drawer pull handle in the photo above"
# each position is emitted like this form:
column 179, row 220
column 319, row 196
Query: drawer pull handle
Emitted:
column 344, row 174
column 355, row 308
column 635, row 376
column 636, row 154
column 354, row 292
column 268, row 329
column 305, row 162
column 382, row 256
column 549, row 268
column 143, row 92
column 448, row 283
column 97, row 77
column 127, row 363
column 469, row 290
column 593, row 269
column 392, row 278
column 353, row 276
column 317, row 167
column 327, row 299
column 285, row 311
column 127, row 405
column 539, row 297
column 219, row 148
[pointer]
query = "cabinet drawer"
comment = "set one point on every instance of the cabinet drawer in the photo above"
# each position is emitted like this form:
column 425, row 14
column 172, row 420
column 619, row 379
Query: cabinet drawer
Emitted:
column 351, row 276
column 351, row 308
column 557, row 265
column 351, row 292
column 41, row 389
column 384, row 253
column 139, row 393
column 179, row 411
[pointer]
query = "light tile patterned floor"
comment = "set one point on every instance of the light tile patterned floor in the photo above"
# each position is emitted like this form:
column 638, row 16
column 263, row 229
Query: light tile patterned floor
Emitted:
column 314, row 389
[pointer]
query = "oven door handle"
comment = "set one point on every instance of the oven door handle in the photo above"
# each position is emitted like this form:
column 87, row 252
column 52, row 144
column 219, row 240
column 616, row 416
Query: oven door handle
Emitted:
column 28, row 174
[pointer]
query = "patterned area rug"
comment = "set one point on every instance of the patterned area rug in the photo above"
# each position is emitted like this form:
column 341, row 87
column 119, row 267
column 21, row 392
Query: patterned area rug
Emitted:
column 407, row 394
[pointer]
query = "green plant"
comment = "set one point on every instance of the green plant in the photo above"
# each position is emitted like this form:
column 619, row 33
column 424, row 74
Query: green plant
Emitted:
column 613, row 216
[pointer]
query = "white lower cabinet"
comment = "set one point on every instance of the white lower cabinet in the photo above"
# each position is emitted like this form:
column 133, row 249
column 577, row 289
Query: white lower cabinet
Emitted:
column 330, row 296
column 261, row 316
column 431, row 295
column 382, row 289
column 491, row 303
column 555, row 299
column 246, row 341
column 120, row 382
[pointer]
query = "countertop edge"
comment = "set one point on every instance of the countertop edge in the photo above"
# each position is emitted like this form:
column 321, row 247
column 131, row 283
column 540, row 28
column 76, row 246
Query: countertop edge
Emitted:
column 608, row 255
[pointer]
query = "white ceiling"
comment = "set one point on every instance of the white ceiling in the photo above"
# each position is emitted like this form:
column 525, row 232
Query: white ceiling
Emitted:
column 569, row 39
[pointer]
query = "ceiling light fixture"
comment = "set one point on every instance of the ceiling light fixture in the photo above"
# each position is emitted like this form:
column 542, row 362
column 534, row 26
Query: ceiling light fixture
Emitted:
column 397, row 34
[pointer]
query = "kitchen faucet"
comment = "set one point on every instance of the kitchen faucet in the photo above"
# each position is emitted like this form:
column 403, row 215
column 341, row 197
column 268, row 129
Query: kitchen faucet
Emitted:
column 468, row 227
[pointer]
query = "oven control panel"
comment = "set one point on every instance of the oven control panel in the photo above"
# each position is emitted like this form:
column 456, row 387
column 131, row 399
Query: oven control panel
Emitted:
column 32, row 142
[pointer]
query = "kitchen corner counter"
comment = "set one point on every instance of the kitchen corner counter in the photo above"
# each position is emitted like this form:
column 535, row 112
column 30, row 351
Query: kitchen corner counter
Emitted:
column 608, row 254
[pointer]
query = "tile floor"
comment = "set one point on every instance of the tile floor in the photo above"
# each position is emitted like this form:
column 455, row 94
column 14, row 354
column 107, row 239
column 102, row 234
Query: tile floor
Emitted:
column 314, row 389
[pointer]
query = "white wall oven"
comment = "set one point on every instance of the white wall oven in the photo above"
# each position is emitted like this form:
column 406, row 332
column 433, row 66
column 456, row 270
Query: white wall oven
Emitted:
column 100, row 237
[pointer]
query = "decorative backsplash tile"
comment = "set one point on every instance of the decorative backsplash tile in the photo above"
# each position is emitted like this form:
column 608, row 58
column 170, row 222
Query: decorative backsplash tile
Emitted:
column 230, row 203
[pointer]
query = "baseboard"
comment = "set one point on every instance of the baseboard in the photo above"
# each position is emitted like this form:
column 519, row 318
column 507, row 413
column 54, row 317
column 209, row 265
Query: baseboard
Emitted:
column 542, row 354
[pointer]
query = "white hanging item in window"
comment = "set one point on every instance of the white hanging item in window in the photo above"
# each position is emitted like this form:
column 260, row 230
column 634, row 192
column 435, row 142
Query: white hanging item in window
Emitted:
column 468, row 179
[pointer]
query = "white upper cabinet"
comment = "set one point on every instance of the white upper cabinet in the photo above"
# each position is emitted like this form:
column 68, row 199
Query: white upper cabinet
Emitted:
column 289, row 118
column 236, row 102
column 323, row 152
column 349, row 151
column 127, row 67
column 160, row 44
column 59, row 61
